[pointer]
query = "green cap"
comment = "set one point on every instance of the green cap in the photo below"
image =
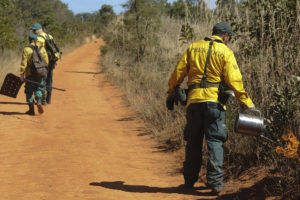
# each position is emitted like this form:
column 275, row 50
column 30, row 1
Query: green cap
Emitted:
column 32, row 37
column 36, row 26
column 222, row 28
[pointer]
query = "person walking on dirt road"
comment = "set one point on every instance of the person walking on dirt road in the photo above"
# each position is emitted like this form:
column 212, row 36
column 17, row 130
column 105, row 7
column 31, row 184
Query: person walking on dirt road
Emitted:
column 209, row 65
column 47, row 41
column 26, row 72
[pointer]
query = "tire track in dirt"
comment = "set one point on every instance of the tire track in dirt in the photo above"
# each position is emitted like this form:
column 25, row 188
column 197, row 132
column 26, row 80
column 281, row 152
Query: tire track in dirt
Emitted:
column 85, row 146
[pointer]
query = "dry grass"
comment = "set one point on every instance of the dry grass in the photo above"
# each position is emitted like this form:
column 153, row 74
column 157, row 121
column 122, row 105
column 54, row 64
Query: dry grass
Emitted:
column 9, row 63
column 145, row 86
column 269, row 63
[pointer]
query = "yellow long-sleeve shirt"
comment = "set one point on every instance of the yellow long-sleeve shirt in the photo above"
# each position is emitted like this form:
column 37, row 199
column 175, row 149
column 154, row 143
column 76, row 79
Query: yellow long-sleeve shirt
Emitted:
column 41, row 38
column 27, row 59
column 222, row 66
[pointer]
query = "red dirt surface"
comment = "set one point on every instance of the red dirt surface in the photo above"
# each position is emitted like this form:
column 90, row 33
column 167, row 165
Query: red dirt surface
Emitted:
column 86, row 146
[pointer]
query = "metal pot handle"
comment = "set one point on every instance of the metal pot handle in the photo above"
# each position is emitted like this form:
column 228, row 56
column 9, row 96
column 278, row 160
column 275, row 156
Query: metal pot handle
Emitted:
column 253, row 110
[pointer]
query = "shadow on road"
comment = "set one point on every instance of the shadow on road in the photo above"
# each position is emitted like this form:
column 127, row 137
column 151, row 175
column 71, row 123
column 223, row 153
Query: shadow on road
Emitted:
column 12, row 113
column 267, row 187
column 13, row 103
column 119, row 185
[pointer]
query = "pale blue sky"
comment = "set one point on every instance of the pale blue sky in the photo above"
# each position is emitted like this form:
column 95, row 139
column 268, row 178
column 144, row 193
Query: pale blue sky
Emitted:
column 79, row 6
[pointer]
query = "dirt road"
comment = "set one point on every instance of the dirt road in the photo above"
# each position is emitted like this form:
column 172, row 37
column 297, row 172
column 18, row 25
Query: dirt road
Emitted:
column 87, row 145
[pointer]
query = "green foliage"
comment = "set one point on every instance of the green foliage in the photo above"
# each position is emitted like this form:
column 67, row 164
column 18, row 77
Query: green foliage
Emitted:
column 18, row 16
column 106, row 14
column 178, row 9
column 283, row 111
column 186, row 34
column 282, row 116
column 190, row 10
column 269, row 46
column 104, row 49
column 8, row 37
column 54, row 16
column 141, row 21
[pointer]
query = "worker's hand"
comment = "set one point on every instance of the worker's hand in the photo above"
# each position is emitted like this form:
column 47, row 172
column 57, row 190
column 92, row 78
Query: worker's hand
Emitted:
column 22, row 78
column 244, row 107
column 170, row 101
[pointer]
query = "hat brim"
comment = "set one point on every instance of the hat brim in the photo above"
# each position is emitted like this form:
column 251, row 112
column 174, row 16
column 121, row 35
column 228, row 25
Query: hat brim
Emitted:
column 35, row 28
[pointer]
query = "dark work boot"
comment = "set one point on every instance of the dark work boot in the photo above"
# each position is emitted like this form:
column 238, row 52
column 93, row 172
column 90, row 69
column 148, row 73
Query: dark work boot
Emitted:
column 31, row 110
column 48, row 98
column 185, row 187
column 39, row 106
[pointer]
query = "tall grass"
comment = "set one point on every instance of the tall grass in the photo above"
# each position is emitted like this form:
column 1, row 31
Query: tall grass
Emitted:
column 9, row 63
column 270, row 67
column 145, row 86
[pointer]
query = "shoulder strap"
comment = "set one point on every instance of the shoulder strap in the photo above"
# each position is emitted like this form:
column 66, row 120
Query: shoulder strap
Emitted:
column 42, row 37
column 33, row 47
column 208, row 53
column 204, row 83
column 45, row 38
column 207, row 59
column 37, row 48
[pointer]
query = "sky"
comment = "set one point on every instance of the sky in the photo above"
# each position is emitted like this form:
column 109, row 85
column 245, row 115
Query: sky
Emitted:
column 80, row 6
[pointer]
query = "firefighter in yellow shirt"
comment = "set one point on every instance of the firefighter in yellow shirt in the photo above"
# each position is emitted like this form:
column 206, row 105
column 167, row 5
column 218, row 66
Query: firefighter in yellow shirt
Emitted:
column 25, row 72
column 41, row 39
column 209, row 65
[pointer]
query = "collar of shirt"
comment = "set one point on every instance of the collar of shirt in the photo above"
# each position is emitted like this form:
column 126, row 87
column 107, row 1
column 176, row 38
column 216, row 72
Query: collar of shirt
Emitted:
column 217, row 37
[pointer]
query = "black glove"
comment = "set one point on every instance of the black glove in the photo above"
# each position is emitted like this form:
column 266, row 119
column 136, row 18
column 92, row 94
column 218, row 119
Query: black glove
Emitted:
column 181, row 95
column 170, row 101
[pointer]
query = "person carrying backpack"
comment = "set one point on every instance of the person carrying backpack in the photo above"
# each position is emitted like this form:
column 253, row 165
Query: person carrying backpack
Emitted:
column 34, row 68
column 53, row 52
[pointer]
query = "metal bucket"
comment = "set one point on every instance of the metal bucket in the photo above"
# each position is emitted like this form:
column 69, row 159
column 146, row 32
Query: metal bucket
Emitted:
column 248, row 124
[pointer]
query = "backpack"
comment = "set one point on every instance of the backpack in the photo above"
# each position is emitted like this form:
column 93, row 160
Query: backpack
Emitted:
column 52, row 50
column 39, row 67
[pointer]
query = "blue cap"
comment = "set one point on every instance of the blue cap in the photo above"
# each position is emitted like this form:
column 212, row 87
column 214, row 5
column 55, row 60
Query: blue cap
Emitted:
column 36, row 26
column 33, row 37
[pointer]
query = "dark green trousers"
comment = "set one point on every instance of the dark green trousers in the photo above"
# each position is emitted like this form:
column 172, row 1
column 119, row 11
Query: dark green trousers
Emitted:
column 31, row 89
column 205, row 119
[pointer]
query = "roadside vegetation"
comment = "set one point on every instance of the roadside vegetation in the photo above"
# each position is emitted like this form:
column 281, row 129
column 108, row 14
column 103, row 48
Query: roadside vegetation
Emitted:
column 18, row 16
column 144, row 43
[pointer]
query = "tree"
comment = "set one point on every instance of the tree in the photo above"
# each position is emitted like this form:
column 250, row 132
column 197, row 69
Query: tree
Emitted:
column 178, row 9
column 141, row 20
column 106, row 14
column 18, row 16
column 8, row 37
